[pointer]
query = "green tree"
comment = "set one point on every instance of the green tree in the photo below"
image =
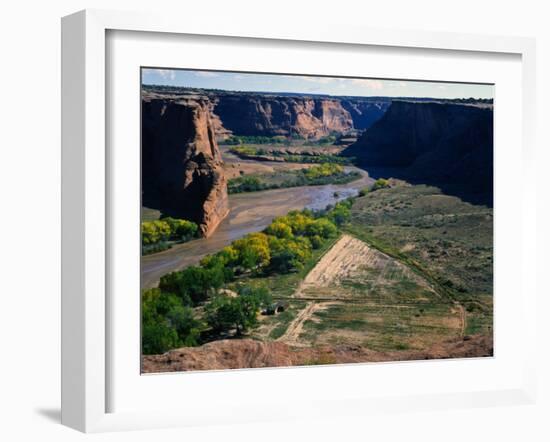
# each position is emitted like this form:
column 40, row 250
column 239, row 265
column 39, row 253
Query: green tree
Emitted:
column 279, row 229
column 158, row 335
column 186, row 325
column 321, row 227
column 253, row 251
column 225, row 313
column 194, row 285
column 167, row 323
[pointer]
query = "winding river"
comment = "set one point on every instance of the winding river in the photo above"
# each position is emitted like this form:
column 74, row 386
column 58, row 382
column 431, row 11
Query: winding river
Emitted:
column 249, row 212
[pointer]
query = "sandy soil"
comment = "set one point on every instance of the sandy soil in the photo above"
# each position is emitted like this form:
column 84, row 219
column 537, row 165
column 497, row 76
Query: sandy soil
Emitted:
column 343, row 260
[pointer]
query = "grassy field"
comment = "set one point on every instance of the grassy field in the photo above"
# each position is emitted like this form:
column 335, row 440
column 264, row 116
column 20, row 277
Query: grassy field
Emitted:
column 422, row 275
column 443, row 239
column 446, row 240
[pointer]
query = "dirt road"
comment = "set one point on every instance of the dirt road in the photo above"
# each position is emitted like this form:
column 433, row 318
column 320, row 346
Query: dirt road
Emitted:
column 296, row 326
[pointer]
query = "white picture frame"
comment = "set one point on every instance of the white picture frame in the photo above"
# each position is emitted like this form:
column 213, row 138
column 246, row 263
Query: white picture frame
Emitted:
column 86, row 356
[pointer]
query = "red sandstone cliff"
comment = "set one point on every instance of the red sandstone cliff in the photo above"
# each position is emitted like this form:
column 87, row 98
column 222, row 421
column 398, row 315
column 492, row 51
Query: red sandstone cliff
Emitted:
column 260, row 114
column 182, row 168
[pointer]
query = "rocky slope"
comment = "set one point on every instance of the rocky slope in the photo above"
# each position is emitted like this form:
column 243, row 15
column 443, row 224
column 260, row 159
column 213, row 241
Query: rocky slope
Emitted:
column 248, row 353
column 438, row 143
column 269, row 115
column 182, row 168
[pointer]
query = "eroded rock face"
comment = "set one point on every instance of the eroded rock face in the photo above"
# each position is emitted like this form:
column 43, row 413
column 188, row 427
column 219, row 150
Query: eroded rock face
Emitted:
column 182, row 168
column 265, row 115
column 446, row 144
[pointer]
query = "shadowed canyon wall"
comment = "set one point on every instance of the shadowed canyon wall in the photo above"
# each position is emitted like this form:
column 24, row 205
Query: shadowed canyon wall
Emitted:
column 450, row 145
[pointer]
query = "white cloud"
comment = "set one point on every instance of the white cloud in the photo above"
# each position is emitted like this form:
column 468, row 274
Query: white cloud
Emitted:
column 320, row 80
column 206, row 74
column 368, row 84
column 166, row 74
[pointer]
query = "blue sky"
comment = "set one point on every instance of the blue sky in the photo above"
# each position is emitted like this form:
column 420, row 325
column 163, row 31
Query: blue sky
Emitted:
column 313, row 85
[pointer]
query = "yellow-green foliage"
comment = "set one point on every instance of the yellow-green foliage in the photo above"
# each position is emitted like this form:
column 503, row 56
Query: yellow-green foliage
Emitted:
column 297, row 221
column 154, row 231
column 279, row 229
column 253, row 250
column 323, row 170
column 245, row 150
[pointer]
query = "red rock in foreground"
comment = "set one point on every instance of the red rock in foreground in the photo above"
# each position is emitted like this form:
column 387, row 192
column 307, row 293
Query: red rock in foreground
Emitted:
column 248, row 353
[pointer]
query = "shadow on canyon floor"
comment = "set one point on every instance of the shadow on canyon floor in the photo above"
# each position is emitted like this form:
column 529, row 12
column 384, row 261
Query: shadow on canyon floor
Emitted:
column 485, row 198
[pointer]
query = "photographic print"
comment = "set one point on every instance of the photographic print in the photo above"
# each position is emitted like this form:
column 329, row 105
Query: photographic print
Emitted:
column 293, row 220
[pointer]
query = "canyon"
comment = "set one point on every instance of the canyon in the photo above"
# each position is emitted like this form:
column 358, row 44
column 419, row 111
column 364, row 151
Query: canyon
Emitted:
column 447, row 143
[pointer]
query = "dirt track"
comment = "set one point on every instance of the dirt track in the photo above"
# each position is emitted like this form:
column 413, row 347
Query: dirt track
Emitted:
column 295, row 327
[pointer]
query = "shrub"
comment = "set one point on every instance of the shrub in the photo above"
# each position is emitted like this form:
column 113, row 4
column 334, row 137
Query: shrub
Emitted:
column 381, row 183
column 341, row 213
column 181, row 229
column 154, row 231
column 364, row 191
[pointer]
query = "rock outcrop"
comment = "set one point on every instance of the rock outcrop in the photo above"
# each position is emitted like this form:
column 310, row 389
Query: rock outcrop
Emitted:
column 248, row 353
column 182, row 168
column 450, row 145
column 270, row 115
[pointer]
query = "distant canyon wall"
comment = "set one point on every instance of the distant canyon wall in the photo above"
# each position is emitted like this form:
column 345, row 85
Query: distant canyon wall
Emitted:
column 306, row 117
column 182, row 168
column 286, row 116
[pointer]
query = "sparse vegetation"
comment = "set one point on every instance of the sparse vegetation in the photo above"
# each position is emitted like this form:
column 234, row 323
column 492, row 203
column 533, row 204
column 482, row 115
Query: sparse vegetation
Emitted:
column 325, row 173
column 260, row 153
column 380, row 183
